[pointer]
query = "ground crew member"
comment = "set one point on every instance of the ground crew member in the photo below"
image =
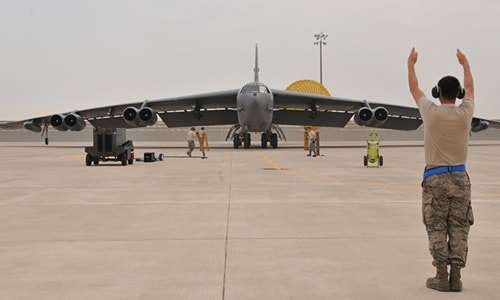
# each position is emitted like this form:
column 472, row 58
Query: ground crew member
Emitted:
column 311, row 135
column 191, row 136
column 203, row 134
column 446, row 196
column 200, row 142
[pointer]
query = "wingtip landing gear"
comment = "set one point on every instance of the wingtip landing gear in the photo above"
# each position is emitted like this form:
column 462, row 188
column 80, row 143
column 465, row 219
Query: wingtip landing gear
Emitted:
column 45, row 131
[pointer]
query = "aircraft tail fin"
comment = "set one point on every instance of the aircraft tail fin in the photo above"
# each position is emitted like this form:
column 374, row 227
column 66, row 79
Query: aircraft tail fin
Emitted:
column 256, row 69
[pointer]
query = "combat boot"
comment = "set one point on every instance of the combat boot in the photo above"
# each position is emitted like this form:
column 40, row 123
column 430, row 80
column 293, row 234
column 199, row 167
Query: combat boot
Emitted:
column 455, row 282
column 440, row 281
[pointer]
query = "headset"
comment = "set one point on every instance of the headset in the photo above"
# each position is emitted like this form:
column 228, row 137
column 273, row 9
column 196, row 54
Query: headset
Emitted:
column 436, row 90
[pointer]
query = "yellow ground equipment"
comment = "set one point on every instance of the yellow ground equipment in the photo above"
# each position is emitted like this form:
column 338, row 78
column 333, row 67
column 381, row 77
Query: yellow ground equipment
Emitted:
column 373, row 157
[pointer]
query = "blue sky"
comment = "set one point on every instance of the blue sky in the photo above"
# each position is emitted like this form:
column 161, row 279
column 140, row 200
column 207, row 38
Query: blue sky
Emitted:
column 57, row 56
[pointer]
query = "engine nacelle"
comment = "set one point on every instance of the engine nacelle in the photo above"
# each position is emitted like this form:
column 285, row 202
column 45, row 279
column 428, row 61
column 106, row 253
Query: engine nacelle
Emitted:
column 363, row 116
column 380, row 115
column 479, row 125
column 74, row 122
column 139, row 117
column 32, row 126
column 57, row 121
column 371, row 117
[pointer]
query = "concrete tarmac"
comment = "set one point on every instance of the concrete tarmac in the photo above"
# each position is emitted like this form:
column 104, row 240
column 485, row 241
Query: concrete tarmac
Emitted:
column 242, row 224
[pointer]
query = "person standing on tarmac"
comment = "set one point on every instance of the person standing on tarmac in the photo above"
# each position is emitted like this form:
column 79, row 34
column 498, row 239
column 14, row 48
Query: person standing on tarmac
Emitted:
column 446, row 194
column 311, row 137
column 191, row 136
column 202, row 136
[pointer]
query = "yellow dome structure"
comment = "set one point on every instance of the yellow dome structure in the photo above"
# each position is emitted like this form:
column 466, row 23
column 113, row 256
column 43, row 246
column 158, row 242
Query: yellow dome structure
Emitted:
column 308, row 86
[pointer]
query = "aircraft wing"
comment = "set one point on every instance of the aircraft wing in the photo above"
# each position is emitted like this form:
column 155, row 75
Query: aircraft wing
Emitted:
column 219, row 108
column 12, row 125
column 216, row 108
column 296, row 108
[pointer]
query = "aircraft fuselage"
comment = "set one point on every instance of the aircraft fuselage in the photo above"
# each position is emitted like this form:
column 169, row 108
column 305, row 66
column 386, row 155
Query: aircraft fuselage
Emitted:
column 255, row 107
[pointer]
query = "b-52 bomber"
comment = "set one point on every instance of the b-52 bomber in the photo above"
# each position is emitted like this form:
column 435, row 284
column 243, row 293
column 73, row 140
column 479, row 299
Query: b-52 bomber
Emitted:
column 252, row 108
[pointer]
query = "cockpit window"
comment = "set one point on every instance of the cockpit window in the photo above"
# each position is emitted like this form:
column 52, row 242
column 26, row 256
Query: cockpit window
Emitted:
column 254, row 88
column 263, row 89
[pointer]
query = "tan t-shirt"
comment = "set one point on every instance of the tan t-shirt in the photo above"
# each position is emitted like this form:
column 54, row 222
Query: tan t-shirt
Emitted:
column 446, row 131
column 191, row 136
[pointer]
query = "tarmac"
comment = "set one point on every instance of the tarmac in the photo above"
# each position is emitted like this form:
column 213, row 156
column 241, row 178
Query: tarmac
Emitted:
column 242, row 224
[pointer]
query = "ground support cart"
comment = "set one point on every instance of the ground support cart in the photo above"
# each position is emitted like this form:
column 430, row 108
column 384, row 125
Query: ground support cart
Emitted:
column 110, row 144
column 372, row 151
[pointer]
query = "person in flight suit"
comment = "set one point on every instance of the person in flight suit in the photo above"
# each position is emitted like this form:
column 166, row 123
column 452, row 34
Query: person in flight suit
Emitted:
column 446, row 194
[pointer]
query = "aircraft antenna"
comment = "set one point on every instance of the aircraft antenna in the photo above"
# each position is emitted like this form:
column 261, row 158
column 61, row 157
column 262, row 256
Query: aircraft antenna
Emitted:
column 256, row 69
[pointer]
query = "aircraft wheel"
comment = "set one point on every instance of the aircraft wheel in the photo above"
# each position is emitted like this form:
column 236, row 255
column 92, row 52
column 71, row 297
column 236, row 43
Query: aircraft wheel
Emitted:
column 264, row 140
column 88, row 159
column 236, row 141
column 247, row 140
column 381, row 161
column 274, row 140
column 365, row 160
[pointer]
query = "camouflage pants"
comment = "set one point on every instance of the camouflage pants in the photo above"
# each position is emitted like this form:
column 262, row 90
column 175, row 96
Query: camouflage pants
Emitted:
column 191, row 147
column 447, row 215
column 312, row 147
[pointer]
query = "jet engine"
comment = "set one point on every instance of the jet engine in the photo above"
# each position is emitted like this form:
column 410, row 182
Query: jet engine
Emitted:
column 363, row 116
column 366, row 116
column 57, row 121
column 72, row 121
column 32, row 126
column 139, row 117
column 479, row 125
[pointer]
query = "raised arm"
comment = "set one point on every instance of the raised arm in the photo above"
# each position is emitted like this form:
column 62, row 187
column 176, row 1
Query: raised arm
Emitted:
column 415, row 90
column 468, row 81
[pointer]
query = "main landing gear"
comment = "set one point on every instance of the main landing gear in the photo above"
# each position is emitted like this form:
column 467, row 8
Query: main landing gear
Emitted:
column 272, row 138
column 244, row 139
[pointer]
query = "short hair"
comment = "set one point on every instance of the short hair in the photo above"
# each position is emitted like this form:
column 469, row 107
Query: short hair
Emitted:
column 449, row 87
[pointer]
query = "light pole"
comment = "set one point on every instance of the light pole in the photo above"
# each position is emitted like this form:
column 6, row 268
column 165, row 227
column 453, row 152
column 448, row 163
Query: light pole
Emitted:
column 321, row 37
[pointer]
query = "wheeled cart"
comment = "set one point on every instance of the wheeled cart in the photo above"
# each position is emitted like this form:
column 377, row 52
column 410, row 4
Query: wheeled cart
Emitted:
column 372, row 151
column 110, row 144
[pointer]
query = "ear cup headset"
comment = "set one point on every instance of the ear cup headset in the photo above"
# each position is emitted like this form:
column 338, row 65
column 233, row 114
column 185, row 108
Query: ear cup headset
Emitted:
column 436, row 90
